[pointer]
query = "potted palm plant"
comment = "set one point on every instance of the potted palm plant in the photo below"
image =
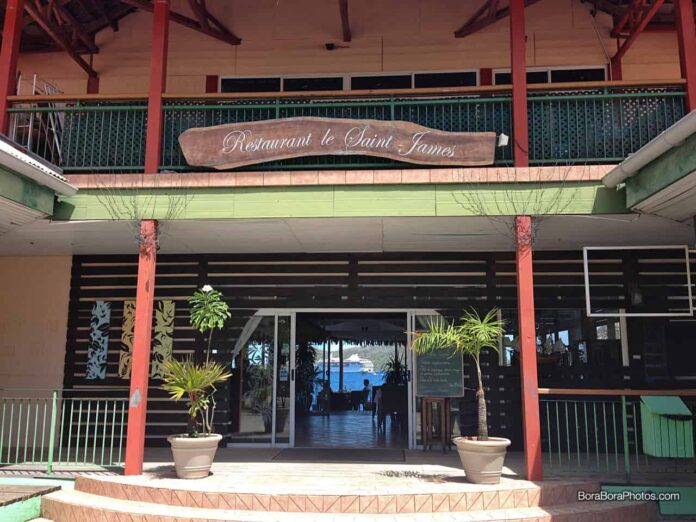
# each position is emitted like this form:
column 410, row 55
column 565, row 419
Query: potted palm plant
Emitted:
column 482, row 456
column 194, row 451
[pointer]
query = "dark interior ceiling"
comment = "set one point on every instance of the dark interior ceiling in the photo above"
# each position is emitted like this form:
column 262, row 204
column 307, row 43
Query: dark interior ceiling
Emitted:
column 75, row 22
column 663, row 19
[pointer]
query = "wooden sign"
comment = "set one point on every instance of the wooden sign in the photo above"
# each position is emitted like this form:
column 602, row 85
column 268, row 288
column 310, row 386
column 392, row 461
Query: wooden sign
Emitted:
column 440, row 373
column 239, row 144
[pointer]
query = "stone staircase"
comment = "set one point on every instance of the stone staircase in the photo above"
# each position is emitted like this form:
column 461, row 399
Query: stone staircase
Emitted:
column 97, row 499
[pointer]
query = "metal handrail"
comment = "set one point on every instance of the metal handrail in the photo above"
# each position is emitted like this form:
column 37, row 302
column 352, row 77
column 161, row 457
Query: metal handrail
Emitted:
column 598, row 432
column 62, row 430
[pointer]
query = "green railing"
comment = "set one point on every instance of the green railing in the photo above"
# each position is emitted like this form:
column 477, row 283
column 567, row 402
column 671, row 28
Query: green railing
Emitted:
column 61, row 430
column 601, row 433
column 594, row 125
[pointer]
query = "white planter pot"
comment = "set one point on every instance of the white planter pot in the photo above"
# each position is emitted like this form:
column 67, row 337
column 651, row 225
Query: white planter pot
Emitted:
column 193, row 456
column 482, row 460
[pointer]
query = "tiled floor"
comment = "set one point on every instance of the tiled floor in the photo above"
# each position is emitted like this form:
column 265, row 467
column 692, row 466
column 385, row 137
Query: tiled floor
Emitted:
column 347, row 429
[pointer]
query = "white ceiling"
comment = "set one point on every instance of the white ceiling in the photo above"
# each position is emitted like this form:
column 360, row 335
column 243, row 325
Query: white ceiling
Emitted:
column 677, row 201
column 13, row 215
column 342, row 235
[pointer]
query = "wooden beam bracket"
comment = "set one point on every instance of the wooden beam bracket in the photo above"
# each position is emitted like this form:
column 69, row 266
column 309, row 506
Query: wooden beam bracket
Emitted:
column 203, row 23
column 345, row 20
column 44, row 16
column 486, row 15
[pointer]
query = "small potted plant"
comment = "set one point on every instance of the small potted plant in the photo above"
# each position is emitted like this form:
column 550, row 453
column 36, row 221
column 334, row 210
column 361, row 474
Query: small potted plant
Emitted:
column 194, row 451
column 482, row 456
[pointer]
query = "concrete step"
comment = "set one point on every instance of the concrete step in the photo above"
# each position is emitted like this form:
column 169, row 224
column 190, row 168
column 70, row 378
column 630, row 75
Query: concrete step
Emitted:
column 433, row 496
column 70, row 506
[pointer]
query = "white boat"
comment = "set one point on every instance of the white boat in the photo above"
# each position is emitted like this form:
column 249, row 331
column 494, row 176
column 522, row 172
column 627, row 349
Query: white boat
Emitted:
column 353, row 364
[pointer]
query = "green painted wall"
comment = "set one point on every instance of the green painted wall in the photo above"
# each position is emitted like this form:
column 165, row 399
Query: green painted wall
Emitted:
column 21, row 511
column 662, row 172
column 26, row 192
column 344, row 201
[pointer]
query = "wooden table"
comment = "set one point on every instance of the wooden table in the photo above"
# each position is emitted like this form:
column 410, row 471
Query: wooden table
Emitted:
column 428, row 422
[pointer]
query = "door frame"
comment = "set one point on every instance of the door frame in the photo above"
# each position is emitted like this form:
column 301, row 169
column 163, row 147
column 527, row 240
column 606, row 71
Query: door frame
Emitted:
column 410, row 313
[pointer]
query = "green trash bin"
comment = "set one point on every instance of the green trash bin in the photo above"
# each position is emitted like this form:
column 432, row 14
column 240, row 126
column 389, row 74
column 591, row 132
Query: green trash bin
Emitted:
column 667, row 426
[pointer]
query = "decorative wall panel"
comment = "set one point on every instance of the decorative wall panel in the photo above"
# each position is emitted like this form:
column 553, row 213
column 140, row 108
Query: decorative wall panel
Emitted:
column 163, row 339
column 98, row 341
column 126, row 355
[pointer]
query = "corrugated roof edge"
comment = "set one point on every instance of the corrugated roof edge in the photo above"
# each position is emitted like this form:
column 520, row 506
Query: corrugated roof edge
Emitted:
column 34, row 167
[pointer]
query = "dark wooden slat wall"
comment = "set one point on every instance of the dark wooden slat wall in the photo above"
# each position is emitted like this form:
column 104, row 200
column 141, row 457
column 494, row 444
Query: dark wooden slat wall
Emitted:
column 447, row 282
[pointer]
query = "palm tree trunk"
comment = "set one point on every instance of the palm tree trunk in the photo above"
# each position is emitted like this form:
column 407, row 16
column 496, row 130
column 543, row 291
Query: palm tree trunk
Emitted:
column 482, row 411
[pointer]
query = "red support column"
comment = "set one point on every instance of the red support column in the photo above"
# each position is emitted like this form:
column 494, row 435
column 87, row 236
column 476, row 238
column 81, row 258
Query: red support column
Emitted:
column 527, row 341
column 93, row 85
column 686, row 34
column 142, row 336
column 11, row 34
column 616, row 69
column 158, row 79
column 518, row 59
column 145, row 294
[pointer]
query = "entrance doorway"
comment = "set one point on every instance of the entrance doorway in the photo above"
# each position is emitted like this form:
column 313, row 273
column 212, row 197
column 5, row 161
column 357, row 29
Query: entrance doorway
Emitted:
column 351, row 380
column 299, row 379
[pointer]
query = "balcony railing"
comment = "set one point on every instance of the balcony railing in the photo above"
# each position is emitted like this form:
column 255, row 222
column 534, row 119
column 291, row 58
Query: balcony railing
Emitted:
column 568, row 124
column 61, row 428
column 602, row 431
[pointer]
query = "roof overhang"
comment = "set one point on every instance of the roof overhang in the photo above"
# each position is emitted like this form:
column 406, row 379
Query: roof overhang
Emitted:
column 33, row 167
column 660, row 178
column 28, row 187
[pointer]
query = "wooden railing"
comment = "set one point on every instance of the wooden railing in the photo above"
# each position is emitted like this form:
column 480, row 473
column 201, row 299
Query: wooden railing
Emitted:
column 568, row 123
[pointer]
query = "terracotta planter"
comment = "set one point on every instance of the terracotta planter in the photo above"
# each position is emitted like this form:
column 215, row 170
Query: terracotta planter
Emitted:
column 482, row 460
column 193, row 456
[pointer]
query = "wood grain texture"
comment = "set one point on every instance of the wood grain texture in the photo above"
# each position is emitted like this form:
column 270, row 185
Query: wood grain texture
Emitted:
column 239, row 144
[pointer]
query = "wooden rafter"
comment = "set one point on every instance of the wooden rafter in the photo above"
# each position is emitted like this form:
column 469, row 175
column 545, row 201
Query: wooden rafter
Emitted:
column 637, row 22
column 486, row 15
column 662, row 21
column 219, row 32
column 43, row 15
column 99, row 8
column 64, row 18
column 345, row 20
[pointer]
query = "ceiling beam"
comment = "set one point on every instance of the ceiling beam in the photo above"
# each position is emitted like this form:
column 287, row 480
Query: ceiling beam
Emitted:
column 345, row 20
column 200, row 11
column 61, row 11
column 476, row 17
column 641, row 22
column 35, row 11
column 478, row 21
column 221, row 33
column 99, row 7
column 627, row 18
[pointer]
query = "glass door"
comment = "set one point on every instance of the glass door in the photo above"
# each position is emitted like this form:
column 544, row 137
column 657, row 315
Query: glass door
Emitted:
column 266, row 388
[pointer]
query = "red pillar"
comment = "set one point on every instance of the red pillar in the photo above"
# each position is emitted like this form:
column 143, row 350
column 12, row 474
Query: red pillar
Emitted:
column 145, row 293
column 11, row 33
column 158, row 79
column 686, row 34
column 616, row 69
column 527, row 341
column 142, row 336
column 93, row 85
column 518, row 60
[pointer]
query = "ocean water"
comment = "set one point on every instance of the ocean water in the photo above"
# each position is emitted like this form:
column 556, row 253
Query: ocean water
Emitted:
column 354, row 381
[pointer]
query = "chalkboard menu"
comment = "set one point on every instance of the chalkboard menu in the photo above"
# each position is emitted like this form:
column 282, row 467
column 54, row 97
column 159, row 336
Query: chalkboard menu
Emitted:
column 439, row 373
